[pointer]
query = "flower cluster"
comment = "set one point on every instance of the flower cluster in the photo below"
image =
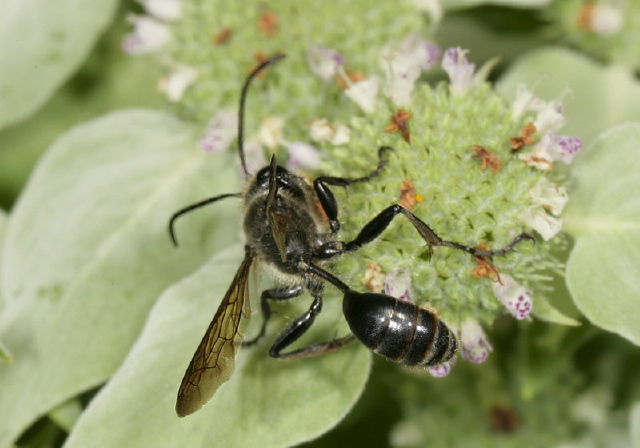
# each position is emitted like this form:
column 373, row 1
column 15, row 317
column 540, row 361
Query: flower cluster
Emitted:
column 523, row 180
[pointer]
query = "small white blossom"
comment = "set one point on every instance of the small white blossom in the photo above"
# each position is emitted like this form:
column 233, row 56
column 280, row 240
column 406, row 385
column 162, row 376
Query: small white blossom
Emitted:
column 176, row 83
column 460, row 71
column 606, row 19
column 323, row 130
column 515, row 297
column 474, row 344
column 148, row 36
column 550, row 117
column 302, row 156
column 549, row 195
column 540, row 157
column 546, row 197
column 324, row 62
column 424, row 53
column 397, row 283
column 401, row 80
column 566, row 148
column 542, row 222
column 374, row 278
column 552, row 148
column 270, row 133
column 364, row 93
column 403, row 64
column 163, row 9
column 220, row 132
column 441, row 370
column 524, row 98
column 254, row 156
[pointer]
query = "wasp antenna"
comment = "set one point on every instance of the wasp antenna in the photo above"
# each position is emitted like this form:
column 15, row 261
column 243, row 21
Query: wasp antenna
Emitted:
column 190, row 208
column 243, row 101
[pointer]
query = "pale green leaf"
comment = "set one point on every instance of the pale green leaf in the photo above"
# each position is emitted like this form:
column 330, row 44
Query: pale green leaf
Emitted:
column 66, row 414
column 42, row 42
column 5, row 354
column 87, row 252
column 603, row 273
column 267, row 402
column 594, row 97
column 545, row 311
column 635, row 425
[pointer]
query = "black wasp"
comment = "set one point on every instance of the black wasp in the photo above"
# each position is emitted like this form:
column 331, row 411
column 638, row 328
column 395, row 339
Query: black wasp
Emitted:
column 291, row 226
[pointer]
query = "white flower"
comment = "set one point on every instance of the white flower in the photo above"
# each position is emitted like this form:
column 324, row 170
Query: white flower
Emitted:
column 270, row 133
column 566, row 148
column 403, row 64
column 425, row 54
column 549, row 195
column 323, row 61
column 220, row 132
column 302, row 156
column 176, row 83
column 550, row 117
column 460, row 71
column 515, row 297
column 606, row 19
column 474, row 344
column 163, row 9
column 524, row 97
column 148, row 36
column 552, row 148
column 323, row 130
column 364, row 93
column 538, row 219
column 441, row 370
column 397, row 283
column 545, row 197
column 401, row 80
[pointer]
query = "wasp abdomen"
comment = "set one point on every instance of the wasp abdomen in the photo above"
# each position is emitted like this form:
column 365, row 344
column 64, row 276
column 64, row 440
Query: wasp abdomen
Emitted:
column 399, row 330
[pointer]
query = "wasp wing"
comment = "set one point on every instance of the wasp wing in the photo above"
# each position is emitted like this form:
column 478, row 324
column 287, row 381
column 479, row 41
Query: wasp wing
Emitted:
column 214, row 360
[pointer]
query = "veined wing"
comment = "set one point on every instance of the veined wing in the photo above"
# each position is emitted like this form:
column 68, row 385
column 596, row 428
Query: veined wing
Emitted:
column 214, row 360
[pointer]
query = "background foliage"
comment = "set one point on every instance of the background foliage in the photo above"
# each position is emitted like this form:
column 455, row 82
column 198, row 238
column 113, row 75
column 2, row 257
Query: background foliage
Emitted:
column 99, row 314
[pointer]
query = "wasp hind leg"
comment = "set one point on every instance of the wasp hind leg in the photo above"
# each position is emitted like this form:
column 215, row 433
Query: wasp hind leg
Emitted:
column 281, row 293
column 300, row 326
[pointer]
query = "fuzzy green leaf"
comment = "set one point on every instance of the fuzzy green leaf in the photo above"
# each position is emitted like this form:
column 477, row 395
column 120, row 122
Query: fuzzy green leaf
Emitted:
column 545, row 311
column 635, row 425
column 87, row 252
column 603, row 214
column 5, row 354
column 595, row 97
column 267, row 402
column 41, row 44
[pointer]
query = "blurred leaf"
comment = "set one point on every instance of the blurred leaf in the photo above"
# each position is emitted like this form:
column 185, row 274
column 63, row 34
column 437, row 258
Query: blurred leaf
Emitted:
column 598, row 96
column 66, row 414
column 267, row 402
column 5, row 354
column 545, row 311
column 107, row 80
column 87, row 253
column 41, row 44
column 603, row 214
column 635, row 425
